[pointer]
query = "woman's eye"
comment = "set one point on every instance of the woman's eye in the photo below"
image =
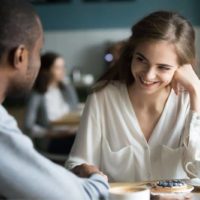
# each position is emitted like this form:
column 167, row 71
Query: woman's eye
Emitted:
column 142, row 60
column 164, row 68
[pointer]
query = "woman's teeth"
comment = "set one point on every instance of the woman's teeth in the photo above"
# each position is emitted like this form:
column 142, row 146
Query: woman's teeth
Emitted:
column 147, row 82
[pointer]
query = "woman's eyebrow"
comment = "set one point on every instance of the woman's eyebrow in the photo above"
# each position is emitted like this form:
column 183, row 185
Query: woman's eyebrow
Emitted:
column 160, row 64
column 141, row 55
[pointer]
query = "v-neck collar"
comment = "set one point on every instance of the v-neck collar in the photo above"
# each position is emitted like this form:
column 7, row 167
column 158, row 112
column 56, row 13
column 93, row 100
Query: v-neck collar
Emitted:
column 135, row 119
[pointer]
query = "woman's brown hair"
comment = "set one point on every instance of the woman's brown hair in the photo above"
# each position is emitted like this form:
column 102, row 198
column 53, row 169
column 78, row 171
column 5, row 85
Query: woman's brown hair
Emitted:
column 44, row 76
column 160, row 25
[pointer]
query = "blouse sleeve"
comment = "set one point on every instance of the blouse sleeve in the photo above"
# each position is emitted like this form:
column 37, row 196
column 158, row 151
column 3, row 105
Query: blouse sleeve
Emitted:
column 191, row 138
column 30, row 124
column 87, row 145
column 70, row 95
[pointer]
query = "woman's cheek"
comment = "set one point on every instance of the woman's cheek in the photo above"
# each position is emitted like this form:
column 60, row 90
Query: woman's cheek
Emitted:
column 168, row 78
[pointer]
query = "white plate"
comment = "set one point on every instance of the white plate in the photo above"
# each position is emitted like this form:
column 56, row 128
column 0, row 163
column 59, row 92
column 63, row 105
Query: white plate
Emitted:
column 194, row 182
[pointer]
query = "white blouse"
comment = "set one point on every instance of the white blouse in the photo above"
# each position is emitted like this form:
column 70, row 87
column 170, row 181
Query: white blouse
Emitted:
column 110, row 137
column 55, row 104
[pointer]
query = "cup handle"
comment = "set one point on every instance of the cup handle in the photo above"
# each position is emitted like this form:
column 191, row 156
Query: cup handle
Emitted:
column 188, row 170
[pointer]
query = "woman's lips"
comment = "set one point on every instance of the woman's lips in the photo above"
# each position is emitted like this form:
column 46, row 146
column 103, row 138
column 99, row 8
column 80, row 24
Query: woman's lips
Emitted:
column 147, row 83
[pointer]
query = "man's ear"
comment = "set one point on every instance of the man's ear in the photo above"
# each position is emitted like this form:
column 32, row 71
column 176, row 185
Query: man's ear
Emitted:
column 20, row 57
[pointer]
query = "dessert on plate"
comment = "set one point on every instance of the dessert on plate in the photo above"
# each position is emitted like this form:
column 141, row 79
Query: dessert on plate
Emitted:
column 167, row 186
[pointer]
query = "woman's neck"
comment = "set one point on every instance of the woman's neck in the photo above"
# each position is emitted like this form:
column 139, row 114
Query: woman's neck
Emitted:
column 155, row 101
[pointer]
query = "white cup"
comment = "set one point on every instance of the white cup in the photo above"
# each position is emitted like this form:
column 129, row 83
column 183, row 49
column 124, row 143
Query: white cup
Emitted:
column 193, row 169
column 129, row 193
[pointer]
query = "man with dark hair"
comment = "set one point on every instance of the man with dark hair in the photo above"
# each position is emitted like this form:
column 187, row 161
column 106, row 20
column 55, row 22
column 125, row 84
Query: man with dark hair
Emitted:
column 24, row 173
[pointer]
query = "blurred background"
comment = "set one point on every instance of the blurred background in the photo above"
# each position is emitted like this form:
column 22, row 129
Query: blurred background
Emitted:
column 81, row 30
column 89, row 34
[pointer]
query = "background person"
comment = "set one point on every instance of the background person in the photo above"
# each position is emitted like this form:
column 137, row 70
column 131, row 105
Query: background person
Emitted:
column 52, row 97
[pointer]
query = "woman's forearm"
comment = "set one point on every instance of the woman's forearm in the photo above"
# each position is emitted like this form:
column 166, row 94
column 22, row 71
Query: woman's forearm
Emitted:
column 195, row 97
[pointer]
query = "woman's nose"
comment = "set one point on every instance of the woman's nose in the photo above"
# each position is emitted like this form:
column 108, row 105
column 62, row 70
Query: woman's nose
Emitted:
column 150, row 74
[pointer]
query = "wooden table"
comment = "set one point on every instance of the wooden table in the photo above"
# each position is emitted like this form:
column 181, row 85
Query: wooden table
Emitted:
column 72, row 118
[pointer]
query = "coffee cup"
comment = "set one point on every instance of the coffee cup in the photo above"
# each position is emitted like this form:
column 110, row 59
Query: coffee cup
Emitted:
column 129, row 193
column 193, row 169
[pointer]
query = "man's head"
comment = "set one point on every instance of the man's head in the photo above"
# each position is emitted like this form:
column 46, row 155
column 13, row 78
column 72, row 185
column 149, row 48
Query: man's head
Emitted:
column 21, row 39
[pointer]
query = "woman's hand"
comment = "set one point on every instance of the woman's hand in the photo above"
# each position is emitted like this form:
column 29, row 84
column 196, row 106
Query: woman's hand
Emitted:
column 85, row 170
column 185, row 78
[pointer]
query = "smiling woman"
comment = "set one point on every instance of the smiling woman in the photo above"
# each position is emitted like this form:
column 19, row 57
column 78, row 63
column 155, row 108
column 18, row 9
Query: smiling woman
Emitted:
column 153, row 66
column 137, row 125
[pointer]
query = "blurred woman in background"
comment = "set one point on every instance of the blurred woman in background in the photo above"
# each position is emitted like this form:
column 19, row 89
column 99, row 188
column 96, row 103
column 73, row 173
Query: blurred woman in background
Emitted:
column 52, row 97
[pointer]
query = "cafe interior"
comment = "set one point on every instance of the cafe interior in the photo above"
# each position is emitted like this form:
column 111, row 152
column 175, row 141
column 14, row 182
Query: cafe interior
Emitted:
column 87, row 37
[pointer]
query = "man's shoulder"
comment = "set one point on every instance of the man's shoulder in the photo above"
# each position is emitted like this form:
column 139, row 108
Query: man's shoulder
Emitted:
column 6, row 120
column 3, row 112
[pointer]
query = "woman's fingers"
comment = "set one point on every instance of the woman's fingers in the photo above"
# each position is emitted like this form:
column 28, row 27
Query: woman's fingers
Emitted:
column 174, row 85
column 177, row 87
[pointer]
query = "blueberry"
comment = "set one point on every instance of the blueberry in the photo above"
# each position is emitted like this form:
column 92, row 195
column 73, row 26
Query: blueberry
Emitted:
column 165, row 184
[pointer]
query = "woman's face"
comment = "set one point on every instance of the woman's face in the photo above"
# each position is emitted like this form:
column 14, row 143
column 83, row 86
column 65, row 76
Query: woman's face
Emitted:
column 153, row 66
column 58, row 70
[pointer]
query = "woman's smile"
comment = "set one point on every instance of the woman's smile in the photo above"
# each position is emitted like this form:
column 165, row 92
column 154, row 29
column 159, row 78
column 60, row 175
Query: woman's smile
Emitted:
column 147, row 83
column 153, row 65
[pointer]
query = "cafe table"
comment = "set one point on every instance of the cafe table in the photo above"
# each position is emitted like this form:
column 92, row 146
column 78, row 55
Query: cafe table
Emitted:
column 193, row 195
column 71, row 118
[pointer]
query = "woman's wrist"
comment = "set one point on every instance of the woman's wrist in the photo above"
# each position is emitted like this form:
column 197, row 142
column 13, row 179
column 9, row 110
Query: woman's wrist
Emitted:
column 194, row 93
